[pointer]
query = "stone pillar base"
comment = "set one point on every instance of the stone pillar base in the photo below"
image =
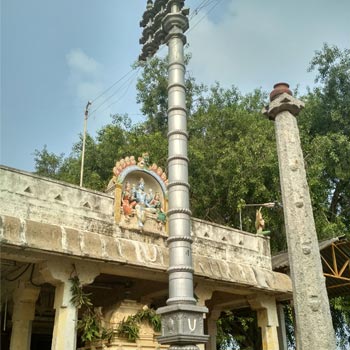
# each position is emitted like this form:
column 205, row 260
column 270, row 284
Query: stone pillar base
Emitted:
column 182, row 325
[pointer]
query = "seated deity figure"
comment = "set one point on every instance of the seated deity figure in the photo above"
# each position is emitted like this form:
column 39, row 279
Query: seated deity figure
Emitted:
column 128, row 204
column 149, row 198
column 145, row 204
column 157, row 205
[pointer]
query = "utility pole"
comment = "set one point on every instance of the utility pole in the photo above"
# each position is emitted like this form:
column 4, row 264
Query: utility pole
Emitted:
column 165, row 21
column 86, row 115
column 309, row 289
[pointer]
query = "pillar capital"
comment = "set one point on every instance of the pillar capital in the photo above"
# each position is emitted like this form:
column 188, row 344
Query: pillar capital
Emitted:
column 266, row 310
column 25, row 292
column 267, row 304
column 24, row 298
column 56, row 272
column 282, row 102
column 214, row 314
column 203, row 292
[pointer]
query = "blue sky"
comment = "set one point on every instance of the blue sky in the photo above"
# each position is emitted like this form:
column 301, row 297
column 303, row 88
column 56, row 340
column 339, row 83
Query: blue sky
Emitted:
column 57, row 55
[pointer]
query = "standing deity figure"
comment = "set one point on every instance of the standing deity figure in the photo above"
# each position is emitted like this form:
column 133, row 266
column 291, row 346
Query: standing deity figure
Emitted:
column 141, row 202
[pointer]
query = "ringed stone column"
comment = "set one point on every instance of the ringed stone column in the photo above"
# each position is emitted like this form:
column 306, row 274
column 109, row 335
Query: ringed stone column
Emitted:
column 182, row 319
column 24, row 298
column 313, row 318
column 165, row 22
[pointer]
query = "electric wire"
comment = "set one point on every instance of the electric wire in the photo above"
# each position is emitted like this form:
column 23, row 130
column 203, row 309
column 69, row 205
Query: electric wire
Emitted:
column 111, row 86
column 17, row 277
column 125, row 83
column 202, row 5
column 216, row 3
column 196, row 12
column 31, row 277
column 122, row 96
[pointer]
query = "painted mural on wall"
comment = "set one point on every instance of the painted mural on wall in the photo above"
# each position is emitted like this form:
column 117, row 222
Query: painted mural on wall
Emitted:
column 140, row 194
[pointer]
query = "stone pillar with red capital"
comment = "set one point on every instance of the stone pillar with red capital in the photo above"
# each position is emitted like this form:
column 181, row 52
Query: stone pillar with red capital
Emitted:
column 313, row 318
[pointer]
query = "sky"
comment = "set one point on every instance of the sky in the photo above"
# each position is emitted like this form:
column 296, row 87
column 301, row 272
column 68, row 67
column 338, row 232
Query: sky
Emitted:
column 56, row 55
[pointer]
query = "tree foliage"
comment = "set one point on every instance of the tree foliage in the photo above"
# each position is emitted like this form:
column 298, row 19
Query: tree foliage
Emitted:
column 238, row 331
column 326, row 133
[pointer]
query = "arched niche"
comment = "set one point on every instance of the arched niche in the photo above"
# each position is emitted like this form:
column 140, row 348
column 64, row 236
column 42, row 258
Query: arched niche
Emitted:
column 140, row 195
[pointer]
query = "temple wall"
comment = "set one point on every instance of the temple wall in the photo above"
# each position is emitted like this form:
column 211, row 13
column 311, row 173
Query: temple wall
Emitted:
column 57, row 218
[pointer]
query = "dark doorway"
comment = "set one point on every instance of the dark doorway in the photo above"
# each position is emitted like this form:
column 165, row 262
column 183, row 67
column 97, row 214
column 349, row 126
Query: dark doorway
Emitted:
column 41, row 342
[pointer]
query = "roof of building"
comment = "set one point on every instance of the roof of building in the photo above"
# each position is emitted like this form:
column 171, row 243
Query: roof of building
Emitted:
column 335, row 256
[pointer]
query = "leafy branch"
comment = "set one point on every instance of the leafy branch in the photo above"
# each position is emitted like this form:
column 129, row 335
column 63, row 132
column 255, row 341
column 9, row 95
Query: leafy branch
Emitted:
column 130, row 327
column 90, row 324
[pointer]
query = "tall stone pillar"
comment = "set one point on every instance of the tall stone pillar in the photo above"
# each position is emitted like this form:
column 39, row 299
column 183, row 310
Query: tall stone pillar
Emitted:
column 66, row 314
column 24, row 298
column 309, row 290
column 265, row 307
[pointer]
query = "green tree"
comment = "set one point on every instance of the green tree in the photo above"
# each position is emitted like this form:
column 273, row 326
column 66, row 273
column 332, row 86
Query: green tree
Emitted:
column 233, row 159
column 325, row 126
column 238, row 330
column 47, row 163
column 152, row 93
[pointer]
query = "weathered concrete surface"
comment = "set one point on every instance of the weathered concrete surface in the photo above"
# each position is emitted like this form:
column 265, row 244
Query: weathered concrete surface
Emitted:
column 24, row 297
column 46, row 216
column 309, row 289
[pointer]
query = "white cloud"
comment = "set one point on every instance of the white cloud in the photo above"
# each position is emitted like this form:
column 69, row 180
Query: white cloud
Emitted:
column 257, row 43
column 84, row 78
column 79, row 62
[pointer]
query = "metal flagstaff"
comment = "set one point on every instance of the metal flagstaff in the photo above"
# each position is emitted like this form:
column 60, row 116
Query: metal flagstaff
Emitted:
column 165, row 22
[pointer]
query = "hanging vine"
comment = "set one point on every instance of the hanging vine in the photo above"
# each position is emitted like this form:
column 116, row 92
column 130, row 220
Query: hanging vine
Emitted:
column 91, row 327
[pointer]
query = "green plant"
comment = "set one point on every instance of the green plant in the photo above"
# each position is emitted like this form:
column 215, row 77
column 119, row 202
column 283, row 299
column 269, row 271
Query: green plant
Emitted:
column 130, row 327
column 90, row 324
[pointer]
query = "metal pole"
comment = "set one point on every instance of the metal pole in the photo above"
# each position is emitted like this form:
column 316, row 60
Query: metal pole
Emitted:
column 86, row 114
column 182, row 319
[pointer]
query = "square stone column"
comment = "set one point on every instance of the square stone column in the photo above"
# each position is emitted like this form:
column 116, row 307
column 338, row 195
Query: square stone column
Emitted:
column 212, row 328
column 66, row 316
column 24, row 298
column 282, row 334
column 265, row 307
column 204, row 292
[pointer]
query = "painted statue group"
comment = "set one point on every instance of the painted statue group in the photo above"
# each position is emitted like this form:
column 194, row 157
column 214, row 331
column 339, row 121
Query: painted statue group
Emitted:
column 135, row 200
